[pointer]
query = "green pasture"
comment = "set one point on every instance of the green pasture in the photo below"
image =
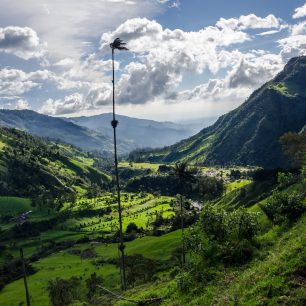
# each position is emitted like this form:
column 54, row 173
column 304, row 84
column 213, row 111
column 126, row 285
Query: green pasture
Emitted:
column 236, row 185
column 14, row 205
column 2, row 145
column 133, row 165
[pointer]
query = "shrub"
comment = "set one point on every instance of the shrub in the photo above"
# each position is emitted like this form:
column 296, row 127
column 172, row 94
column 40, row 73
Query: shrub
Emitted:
column 284, row 206
column 222, row 236
column 132, row 227
column 63, row 292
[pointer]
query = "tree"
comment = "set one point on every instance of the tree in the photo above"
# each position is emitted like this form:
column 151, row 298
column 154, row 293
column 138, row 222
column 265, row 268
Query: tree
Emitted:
column 132, row 227
column 92, row 284
column 119, row 45
column 294, row 146
column 63, row 291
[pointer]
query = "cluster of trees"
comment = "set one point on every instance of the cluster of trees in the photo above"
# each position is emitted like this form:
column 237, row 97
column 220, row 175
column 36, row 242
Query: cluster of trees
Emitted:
column 197, row 186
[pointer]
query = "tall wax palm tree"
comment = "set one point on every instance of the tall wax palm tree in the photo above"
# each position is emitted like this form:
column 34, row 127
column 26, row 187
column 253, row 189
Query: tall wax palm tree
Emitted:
column 184, row 175
column 119, row 45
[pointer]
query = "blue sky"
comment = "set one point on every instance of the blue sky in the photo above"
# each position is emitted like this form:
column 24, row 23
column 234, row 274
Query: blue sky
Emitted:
column 188, row 59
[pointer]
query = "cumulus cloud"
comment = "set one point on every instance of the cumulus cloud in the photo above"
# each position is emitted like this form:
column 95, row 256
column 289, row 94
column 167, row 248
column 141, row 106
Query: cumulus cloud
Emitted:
column 70, row 104
column 65, row 62
column 300, row 12
column 15, row 82
column 22, row 104
column 299, row 29
column 249, row 71
column 22, row 42
column 293, row 46
column 254, row 69
column 165, row 55
column 250, row 21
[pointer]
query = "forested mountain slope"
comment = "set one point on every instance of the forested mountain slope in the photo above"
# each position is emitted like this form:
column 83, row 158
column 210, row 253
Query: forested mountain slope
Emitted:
column 30, row 166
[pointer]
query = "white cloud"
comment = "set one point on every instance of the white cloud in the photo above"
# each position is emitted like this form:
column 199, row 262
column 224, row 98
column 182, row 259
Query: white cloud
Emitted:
column 65, row 62
column 254, row 69
column 165, row 55
column 70, row 104
column 249, row 71
column 250, row 21
column 293, row 46
column 22, row 42
column 266, row 33
column 254, row 22
column 15, row 82
column 22, row 104
column 299, row 29
column 300, row 12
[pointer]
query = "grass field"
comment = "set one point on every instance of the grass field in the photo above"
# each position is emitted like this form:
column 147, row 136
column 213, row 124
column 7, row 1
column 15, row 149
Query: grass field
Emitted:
column 14, row 205
column 236, row 185
column 153, row 167
column 2, row 145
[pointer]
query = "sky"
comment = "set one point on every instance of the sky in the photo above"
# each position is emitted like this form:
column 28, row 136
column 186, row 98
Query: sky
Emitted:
column 187, row 59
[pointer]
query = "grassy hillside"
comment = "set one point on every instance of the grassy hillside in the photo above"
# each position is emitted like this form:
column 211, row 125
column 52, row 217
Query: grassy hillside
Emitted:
column 31, row 166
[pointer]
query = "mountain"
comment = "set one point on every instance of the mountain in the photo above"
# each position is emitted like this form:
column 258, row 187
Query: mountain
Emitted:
column 248, row 135
column 60, row 129
column 139, row 132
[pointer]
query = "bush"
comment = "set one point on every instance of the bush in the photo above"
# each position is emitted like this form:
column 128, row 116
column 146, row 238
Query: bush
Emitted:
column 132, row 227
column 222, row 236
column 284, row 206
column 63, row 292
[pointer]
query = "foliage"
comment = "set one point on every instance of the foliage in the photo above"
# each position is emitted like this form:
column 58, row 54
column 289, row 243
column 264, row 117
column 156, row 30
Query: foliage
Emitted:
column 92, row 284
column 221, row 236
column 63, row 292
column 294, row 147
column 282, row 206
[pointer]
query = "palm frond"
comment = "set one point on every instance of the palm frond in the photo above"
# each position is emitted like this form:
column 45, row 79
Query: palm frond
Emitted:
column 118, row 44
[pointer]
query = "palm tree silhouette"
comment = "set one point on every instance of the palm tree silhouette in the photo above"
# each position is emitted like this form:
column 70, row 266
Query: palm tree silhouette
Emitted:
column 184, row 175
column 119, row 45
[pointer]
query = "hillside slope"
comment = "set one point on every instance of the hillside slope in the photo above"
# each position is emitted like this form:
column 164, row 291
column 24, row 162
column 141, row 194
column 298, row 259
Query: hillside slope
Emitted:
column 249, row 134
column 30, row 166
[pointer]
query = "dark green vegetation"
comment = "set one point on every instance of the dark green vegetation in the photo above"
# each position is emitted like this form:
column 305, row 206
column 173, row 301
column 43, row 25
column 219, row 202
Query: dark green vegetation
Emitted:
column 248, row 135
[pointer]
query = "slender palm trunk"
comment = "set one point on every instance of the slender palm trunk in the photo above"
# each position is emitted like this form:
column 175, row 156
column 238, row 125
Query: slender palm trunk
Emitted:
column 25, row 278
column 120, row 245
column 182, row 227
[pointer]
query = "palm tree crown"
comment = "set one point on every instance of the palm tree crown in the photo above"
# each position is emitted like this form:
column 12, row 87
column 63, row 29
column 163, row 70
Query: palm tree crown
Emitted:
column 118, row 44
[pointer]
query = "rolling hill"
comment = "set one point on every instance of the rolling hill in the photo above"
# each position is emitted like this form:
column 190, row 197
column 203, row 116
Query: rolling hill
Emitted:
column 248, row 135
column 60, row 129
column 139, row 132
